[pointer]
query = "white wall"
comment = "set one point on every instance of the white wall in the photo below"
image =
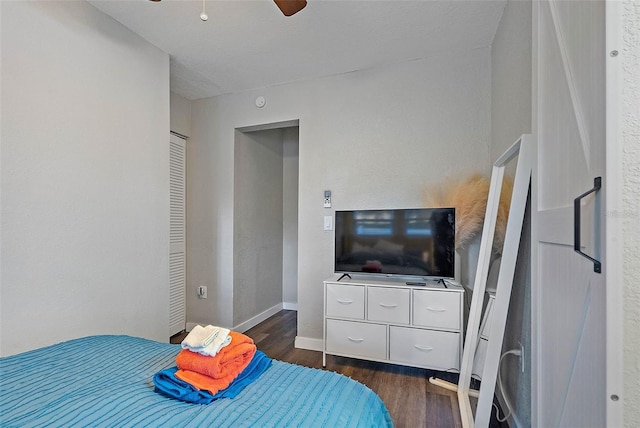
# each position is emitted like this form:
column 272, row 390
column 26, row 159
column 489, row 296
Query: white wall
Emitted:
column 511, row 117
column 374, row 138
column 84, row 168
column 630, row 114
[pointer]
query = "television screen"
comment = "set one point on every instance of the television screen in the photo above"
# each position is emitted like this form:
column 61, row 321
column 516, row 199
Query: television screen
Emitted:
column 407, row 242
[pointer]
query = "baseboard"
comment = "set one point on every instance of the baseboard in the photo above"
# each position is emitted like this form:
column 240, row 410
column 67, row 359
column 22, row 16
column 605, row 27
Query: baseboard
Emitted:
column 252, row 322
column 309, row 343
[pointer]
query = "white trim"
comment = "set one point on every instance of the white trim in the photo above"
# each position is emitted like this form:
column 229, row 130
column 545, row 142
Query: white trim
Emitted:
column 273, row 125
column 254, row 321
column 614, row 267
column 290, row 306
column 309, row 343
column 534, row 352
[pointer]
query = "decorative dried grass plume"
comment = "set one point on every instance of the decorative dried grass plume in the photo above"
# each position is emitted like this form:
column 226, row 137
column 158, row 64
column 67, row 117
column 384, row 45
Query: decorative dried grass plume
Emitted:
column 469, row 198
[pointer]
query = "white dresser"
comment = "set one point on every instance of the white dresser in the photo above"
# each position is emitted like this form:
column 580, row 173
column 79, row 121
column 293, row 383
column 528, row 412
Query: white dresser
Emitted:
column 392, row 322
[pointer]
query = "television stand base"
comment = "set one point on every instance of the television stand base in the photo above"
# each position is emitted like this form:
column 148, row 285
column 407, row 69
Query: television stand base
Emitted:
column 343, row 275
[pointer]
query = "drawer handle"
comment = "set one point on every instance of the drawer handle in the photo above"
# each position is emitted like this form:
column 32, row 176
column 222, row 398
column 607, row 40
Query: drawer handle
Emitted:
column 354, row 339
column 432, row 309
column 388, row 305
column 345, row 302
column 424, row 348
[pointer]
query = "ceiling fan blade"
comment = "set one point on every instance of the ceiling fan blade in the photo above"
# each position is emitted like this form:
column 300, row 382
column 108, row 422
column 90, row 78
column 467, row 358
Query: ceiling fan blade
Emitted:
column 289, row 7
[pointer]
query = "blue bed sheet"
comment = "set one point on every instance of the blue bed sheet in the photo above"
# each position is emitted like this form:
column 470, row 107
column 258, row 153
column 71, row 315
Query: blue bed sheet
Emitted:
column 107, row 381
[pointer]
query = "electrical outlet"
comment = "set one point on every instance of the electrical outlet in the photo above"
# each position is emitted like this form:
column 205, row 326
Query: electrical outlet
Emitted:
column 202, row 292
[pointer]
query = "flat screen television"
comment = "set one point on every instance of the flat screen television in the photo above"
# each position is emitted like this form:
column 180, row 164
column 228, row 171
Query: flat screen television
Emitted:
column 404, row 242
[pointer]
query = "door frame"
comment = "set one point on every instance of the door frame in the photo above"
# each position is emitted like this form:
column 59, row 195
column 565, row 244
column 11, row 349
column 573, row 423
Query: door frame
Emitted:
column 614, row 249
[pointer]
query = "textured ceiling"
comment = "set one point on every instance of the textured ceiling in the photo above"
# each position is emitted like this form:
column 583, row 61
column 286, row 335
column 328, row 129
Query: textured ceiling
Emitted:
column 250, row 44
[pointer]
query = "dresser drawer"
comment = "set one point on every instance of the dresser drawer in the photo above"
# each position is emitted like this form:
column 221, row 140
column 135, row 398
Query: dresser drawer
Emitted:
column 438, row 350
column 358, row 339
column 345, row 301
column 388, row 304
column 436, row 309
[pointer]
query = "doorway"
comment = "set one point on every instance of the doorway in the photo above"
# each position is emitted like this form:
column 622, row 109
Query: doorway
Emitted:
column 265, row 220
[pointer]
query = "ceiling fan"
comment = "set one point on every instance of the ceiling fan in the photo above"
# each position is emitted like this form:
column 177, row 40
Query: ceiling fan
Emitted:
column 288, row 7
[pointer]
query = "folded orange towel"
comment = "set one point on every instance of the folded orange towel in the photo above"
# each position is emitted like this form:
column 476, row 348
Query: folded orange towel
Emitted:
column 227, row 363
column 203, row 382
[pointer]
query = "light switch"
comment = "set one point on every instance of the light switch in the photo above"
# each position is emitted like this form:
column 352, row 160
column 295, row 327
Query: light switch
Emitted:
column 328, row 222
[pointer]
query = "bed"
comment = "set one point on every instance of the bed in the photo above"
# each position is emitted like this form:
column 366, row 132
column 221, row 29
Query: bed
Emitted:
column 107, row 381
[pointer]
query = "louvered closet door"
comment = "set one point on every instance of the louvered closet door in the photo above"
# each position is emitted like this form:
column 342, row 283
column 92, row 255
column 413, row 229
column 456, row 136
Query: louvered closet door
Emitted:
column 177, row 277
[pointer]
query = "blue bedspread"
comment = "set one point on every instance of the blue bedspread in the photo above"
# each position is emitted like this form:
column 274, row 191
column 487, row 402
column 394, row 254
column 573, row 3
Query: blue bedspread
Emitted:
column 107, row 381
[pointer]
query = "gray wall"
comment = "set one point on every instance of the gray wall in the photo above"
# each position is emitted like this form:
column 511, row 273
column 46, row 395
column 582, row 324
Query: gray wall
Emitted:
column 180, row 114
column 258, row 223
column 511, row 77
column 85, row 180
column 375, row 138
column 511, row 117
column 290, row 154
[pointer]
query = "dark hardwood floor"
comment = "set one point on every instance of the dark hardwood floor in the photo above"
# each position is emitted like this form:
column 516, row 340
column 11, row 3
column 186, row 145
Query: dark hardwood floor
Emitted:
column 411, row 400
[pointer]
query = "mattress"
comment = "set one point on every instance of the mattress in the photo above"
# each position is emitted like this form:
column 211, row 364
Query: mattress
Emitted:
column 107, row 381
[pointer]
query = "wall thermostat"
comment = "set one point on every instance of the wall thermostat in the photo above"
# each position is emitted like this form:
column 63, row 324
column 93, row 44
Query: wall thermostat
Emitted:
column 327, row 199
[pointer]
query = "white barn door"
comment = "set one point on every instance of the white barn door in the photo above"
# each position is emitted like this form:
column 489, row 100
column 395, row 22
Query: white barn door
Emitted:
column 569, row 296
column 177, row 271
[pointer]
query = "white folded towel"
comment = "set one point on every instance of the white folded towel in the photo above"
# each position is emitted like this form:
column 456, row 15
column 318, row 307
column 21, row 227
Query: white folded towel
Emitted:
column 206, row 340
column 200, row 336
column 222, row 340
